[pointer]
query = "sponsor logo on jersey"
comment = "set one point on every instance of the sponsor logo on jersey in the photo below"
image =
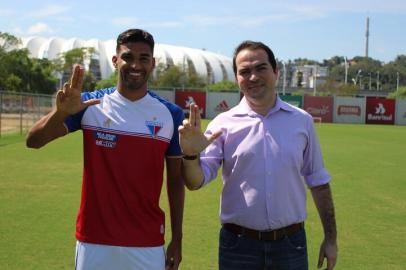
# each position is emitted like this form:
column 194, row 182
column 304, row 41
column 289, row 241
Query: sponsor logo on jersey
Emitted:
column 105, row 139
column 154, row 127
column 222, row 107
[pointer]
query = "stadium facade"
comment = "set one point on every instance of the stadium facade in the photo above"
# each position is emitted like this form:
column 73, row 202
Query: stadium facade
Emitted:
column 207, row 64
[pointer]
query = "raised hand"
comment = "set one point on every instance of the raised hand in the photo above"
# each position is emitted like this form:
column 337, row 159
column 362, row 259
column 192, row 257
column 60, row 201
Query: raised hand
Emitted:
column 68, row 99
column 191, row 137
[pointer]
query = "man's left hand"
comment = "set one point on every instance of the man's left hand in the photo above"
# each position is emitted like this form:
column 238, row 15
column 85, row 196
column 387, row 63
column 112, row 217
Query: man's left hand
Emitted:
column 328, row 250
column 173, row 255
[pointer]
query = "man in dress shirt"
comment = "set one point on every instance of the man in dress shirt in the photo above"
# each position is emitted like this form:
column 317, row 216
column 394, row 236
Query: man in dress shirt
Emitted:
column 270, row 153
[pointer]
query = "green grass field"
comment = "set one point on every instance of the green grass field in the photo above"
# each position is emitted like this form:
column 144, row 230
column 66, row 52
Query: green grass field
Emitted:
column 40, row 193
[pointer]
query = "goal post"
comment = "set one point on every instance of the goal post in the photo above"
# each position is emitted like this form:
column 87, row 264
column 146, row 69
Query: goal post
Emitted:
column 316, row 119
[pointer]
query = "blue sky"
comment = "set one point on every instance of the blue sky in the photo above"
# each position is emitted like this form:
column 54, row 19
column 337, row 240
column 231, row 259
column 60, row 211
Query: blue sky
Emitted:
column 314, row 29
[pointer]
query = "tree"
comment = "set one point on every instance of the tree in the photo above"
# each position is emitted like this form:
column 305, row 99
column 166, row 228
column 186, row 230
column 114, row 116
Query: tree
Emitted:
column 363, row 72
column 175, row 76
column 19, row 72
column 109, row 82
column 223, row 86
column 304, row 61
column 334, row 61
column 83, row 56
column 401, row 93
column 8, row 42
column 392, row 70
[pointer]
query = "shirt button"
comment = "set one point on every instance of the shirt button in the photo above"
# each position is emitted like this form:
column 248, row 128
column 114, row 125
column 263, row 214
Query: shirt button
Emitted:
column 268, row 173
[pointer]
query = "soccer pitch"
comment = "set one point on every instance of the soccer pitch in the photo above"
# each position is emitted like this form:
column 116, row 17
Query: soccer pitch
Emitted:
column 40, row 195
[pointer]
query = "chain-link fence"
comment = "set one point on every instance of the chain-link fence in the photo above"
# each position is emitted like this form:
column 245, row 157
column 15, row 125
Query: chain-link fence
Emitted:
column 19, row 111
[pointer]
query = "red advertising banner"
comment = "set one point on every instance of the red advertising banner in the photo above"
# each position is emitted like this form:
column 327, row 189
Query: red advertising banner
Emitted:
column 380, row 111
column 184, row 98
column 320, row 107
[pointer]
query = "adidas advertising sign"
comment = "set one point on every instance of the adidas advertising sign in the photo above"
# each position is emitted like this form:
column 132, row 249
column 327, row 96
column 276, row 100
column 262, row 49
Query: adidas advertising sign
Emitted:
column 220, row 102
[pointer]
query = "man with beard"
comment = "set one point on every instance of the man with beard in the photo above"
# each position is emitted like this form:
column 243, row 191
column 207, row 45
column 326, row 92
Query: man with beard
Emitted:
column 269, row 152
column 128, row 134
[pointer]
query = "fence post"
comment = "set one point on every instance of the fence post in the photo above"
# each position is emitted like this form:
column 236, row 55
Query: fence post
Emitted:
column 1, row 109
column 21, row 114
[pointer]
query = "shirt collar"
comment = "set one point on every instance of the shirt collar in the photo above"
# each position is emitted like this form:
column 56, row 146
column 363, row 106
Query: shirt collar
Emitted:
column 244, row 109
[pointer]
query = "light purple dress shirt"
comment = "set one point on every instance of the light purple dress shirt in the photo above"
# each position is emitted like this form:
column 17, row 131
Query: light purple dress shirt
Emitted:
column 267, row 161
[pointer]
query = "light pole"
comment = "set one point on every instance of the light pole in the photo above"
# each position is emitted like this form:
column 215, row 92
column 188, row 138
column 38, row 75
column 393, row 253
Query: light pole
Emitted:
column 356, row 77
column 184, row 72
column 397, row 82
column 315, row 80
column 370, row 81
column 360, row 82
column 346, row 70
column 377, row 82
column 284, row 78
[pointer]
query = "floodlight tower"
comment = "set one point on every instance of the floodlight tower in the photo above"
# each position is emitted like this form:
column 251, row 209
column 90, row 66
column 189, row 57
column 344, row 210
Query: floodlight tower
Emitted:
column 367, row 39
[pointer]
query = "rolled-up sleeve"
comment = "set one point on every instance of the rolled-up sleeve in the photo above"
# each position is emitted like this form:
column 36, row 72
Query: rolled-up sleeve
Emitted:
column 313, row 170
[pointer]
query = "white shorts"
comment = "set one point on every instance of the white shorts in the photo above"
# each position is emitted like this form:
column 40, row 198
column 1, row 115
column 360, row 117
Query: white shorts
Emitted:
column 104, row 257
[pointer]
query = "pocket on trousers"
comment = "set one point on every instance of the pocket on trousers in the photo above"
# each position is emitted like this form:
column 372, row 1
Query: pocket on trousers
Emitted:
column 297, row 241
column 228, row 240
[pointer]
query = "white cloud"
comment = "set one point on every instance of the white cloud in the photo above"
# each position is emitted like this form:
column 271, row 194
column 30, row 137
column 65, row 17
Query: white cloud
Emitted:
column 253, row 21
column 125, row 21
column 203, row 20
column 359, row 6
column 132, row 22
column 17, row 30
column 39, row 28
column 49, row 10
column 167, row 24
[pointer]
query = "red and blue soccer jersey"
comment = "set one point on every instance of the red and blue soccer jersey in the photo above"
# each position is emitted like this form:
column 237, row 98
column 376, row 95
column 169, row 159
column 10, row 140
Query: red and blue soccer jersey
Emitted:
column 125, row 144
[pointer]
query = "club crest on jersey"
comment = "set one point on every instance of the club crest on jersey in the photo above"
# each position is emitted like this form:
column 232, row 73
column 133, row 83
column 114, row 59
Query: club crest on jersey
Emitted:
column 154, row 127
column 105, row 139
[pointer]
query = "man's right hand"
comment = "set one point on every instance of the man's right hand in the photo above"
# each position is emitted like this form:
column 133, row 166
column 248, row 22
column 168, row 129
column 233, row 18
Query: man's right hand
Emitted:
column 68, row 100
column 191, row 137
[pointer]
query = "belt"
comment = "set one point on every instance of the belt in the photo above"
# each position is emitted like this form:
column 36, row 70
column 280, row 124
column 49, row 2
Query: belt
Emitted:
column 271, row 235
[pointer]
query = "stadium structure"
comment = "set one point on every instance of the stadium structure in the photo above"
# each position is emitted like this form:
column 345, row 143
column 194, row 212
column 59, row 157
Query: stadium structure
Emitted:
column 204, row 63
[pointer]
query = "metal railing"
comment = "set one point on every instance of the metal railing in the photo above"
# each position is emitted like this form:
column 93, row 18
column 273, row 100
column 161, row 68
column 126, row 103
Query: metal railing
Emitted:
column 19, row 111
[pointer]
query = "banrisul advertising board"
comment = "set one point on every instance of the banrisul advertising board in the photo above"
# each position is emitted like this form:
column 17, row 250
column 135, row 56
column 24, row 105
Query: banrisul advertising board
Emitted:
column 380, row 111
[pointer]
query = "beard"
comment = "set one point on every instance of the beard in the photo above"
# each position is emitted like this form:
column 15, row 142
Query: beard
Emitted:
column 134, row 82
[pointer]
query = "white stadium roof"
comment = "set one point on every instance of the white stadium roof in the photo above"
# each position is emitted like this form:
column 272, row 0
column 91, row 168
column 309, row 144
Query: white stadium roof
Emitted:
column 207, row 64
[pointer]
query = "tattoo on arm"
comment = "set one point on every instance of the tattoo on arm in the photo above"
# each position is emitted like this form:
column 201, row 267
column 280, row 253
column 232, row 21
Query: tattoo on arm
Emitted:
column 324, row 202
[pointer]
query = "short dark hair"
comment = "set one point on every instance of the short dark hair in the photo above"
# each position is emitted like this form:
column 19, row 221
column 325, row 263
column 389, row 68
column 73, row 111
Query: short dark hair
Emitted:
column 254, row 45
column 135, row 35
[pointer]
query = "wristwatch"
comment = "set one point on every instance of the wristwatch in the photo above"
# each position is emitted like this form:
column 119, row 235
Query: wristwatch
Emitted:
column 189, row 157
